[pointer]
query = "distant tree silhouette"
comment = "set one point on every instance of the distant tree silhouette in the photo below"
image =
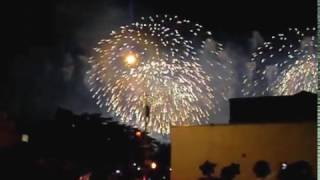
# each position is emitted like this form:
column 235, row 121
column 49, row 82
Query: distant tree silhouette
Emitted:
column 72, row 145
column 261, row 169
column 230, row 172
column 300, row 170
column 207, row 169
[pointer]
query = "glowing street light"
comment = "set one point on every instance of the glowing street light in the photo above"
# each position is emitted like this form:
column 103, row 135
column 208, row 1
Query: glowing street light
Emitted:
column 153, row 165
column 134, row 164
column 25, row 138
column 138, row 133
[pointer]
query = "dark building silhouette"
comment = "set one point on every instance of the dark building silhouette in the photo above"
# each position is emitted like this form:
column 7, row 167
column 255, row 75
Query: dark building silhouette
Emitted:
column 299, row 107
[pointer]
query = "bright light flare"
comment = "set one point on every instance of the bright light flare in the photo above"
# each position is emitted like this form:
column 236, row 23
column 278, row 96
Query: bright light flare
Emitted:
column 131, row 59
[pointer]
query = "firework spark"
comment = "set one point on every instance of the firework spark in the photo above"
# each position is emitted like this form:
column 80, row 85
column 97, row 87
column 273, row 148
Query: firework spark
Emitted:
column 156, row 63
column 285, row 65
column 300, row 76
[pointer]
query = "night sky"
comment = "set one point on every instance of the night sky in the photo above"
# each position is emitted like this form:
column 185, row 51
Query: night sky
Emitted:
column 46, row 43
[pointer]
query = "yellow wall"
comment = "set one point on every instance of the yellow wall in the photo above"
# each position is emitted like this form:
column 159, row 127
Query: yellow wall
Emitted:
column 224, row 144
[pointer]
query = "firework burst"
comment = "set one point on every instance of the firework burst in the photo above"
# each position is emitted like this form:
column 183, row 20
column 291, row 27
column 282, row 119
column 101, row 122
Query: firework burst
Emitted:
column 149, row 74
column 298, row 77
column 285, row 65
